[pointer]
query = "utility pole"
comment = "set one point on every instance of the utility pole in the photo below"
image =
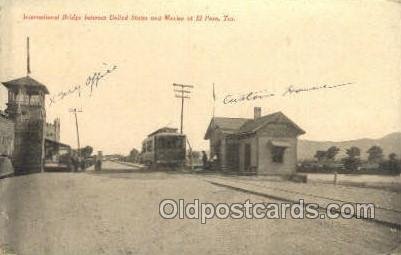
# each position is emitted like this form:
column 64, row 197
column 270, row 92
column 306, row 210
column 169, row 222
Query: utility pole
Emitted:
column 75, row 111
column 183, row 92
column 28, row 61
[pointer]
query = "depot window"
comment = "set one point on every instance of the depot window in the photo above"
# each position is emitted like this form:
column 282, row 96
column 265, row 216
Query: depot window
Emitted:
column 278, row 154
column 278, row 151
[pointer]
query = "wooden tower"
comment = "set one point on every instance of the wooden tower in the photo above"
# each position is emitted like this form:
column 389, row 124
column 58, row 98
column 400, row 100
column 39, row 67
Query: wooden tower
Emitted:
column 26, row 107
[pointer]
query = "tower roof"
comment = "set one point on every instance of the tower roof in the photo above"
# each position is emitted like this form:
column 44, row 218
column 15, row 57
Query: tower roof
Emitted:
column 27, row 82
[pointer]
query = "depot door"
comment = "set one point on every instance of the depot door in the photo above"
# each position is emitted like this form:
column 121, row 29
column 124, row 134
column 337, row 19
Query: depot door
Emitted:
column 247, row 157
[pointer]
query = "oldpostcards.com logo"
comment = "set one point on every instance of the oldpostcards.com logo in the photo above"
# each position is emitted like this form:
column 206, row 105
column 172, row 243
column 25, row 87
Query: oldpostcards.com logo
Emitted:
column 173, row 209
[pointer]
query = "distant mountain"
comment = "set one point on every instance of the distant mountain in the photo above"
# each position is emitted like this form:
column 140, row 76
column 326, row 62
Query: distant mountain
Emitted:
column 389, row 143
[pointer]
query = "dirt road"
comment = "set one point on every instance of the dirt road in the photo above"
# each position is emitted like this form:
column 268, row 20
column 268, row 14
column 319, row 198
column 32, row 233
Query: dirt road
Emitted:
column 118, row 213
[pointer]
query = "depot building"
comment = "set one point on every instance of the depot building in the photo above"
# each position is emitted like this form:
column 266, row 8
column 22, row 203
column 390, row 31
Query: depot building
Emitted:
column 263, row 145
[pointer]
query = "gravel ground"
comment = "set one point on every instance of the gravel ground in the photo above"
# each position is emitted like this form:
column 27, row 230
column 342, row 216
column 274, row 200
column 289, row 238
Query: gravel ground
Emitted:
column 85, row 213
column 390, row 183
column 380, row 197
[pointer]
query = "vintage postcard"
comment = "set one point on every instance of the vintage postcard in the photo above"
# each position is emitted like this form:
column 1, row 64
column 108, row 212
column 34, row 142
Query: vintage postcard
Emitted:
column 200, row 127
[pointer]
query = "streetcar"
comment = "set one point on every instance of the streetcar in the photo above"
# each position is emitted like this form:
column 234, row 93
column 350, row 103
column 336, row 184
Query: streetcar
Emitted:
column 164, row 147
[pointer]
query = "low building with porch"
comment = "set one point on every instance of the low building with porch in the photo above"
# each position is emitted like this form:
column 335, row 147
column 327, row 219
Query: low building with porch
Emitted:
column 55, row 149
column 263, row 145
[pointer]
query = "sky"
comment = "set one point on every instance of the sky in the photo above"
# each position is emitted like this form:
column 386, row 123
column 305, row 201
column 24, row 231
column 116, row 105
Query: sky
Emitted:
column 268, row 46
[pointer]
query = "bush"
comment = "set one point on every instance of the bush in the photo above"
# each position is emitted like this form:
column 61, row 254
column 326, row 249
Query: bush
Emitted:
column 391, row 166
column 352, row 164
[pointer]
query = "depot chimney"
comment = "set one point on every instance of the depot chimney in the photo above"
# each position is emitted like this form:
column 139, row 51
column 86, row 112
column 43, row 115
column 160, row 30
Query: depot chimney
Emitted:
column 257, row 112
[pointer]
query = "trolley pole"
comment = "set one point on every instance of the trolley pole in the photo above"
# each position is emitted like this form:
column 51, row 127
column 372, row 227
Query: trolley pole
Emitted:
column 182, row 91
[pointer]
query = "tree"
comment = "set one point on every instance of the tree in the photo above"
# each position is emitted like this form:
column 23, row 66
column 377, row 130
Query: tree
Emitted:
column 84, row 152
column 87, row 151
column 353, row 152
column 393, row 165
column 375, row 154
column 320, row 155
column 133, row 155
column 332, row 152
column 392, row 156
column 352, row 161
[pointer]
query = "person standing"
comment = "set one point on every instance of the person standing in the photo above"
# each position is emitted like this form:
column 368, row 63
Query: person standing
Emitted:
column 98, row 163
column 75, row 162
column 204, row 160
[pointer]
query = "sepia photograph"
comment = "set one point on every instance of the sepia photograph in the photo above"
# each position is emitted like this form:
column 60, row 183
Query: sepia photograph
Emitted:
column 200, row 127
